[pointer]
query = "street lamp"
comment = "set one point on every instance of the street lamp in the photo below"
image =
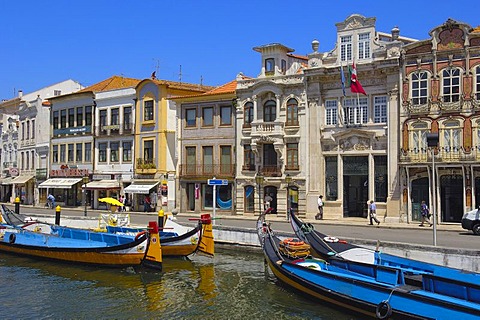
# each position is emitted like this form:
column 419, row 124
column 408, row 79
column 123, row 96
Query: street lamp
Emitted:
column 432, row 143
column 85, row 181
column 259, row 181
column 288, row 179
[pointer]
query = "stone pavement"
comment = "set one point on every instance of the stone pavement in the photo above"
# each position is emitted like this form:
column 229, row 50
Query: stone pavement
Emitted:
column 356, row 221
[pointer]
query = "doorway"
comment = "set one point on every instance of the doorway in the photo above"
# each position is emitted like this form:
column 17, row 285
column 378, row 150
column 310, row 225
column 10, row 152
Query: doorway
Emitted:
column 190, row 197
column 451, row 197
column 271, row 191
column 419, row 193
column 355, row 186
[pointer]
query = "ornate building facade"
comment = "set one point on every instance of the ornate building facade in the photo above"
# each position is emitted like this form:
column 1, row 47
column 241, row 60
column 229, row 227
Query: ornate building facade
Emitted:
column 440, row 122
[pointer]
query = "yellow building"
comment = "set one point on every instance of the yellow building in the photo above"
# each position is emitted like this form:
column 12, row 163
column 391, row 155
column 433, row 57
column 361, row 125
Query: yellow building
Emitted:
column 155, row 142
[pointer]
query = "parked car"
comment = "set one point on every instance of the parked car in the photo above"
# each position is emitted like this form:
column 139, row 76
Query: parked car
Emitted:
column 471, row 221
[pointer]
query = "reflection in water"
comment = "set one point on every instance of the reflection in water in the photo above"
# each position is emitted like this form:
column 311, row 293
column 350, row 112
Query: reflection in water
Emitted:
column 232, row 285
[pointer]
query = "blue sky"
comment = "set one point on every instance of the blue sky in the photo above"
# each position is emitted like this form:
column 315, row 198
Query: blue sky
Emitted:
column 45, row 42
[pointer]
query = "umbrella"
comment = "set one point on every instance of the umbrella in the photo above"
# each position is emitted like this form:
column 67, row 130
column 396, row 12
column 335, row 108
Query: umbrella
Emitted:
column 112, row 201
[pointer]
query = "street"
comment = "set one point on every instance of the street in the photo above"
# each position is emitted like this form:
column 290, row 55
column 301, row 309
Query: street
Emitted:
column 343, row 229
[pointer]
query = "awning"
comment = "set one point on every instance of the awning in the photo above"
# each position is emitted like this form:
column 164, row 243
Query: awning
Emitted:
column 7, row 180
column 103, row 184
column 21, row 179
column 140, row 188
column 59, row 183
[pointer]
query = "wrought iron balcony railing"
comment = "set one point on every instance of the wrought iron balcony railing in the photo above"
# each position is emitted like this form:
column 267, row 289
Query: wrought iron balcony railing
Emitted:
column 207, row 170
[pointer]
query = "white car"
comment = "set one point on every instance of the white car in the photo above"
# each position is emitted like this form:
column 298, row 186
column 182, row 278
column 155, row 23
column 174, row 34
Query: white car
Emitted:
column 471, row 221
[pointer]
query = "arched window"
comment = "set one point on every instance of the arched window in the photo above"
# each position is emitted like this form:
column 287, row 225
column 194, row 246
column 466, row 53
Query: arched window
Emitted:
column 269, row 111
column 451, row 85
column 292, row 112
column 451, row 132
column 419, row 88
column 418, row 137
column 477, row 82
column 248, row 114
column 269, row 66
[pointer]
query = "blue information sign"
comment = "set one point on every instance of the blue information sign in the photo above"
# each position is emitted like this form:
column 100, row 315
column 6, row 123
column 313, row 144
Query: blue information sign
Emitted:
column 217, row 182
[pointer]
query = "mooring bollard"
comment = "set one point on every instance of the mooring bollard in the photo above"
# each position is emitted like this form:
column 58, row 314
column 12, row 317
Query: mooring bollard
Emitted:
column 17, row 205
column 161, row 221
column 58, row 210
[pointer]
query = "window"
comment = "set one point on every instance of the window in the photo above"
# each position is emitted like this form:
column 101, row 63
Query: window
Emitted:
column 191, row 117
column 248, row 114
column 346, row 48
column 477, row 82
column 27, row 160
column 127, row 151
column 71, row 154
column 57, row 92
column 21, row 160
column 207, row 159
column 225, row 159
column 63, row 118
column 62, row 153
column 269, row 66
column 32, row 153
column 451, row 134
column 114, row 119
column 248, row 158
column 451, row 85
column 55, row 120
column 331, row 174
column 380, row 109
column 292, row 156
column 102, row 152
column 23, row 130
column 79, row 152
column 356, row 111
column 114, row 152
column 103, row 120
column 226, row 116
column 71, row 117
column 284, row 66
column 88, row 115
column 148, row 110
column 33, row 129
column 127, row 118
column 330, row 112
column 79, row 116
column 381, row 178
column 55, row 153
column 249, row 199
column 207, row 116
column 419, row 87
column 269, row 111
column 148, row 150
column 364, row 46
column 191, row 160
column 28, row 129
column 292, row 112
column 418, row 137
column 88, row 152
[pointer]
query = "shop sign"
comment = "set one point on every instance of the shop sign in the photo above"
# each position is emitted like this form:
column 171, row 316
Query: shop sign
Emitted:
column 102, row 177
column 13, row 172
column 69, row 172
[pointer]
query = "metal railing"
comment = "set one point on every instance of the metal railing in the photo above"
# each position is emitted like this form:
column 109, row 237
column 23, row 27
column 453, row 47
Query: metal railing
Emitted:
column 207, row 170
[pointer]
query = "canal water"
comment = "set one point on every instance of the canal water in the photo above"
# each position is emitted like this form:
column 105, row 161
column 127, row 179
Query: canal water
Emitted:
column 232, row 285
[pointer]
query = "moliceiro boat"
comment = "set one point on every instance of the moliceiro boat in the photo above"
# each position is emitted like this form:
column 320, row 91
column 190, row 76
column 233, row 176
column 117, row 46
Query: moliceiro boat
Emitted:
column 177, row 240
column 323, row 246
column 84, row 246
column 367, row 289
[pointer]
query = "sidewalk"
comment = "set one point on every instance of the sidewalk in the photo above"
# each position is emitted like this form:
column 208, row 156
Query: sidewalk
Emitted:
column 355, row 221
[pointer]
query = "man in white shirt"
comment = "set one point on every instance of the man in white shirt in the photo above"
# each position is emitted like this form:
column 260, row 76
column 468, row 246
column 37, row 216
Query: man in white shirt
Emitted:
column 319, row 215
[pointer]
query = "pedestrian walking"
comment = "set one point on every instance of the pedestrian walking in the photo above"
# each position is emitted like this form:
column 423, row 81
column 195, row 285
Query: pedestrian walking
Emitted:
column 319, row 215
column 373, row 213
column 425, row 214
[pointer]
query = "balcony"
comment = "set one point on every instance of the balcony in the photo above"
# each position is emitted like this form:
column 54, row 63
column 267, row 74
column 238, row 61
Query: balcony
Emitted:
column 271, row 171
column 145, row 166
column 443, row 155
column 207, row 171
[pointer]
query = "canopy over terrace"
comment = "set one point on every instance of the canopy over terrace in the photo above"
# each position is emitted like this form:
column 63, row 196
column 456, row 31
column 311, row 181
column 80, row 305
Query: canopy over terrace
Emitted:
column 103, row 185
column 59, row 183
column 141, row 187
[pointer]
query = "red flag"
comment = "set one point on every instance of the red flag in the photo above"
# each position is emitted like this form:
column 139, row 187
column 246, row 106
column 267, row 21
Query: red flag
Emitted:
column 355, row 85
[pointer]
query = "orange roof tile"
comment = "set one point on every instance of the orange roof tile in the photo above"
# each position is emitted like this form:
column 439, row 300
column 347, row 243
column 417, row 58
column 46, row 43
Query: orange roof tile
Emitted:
column 112, row 83
column 476, row 29
column 183, row 85
column 227, row 88
column 297, row 56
